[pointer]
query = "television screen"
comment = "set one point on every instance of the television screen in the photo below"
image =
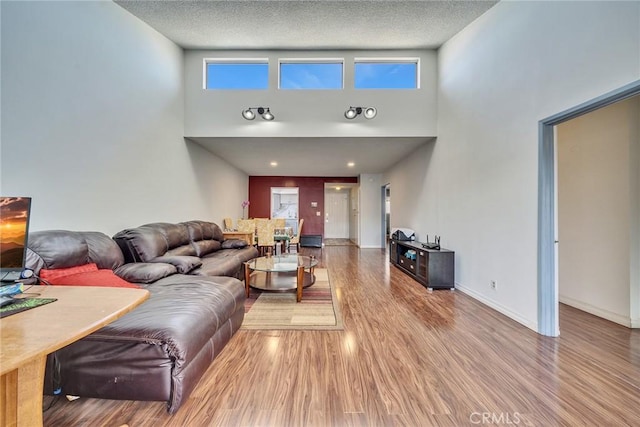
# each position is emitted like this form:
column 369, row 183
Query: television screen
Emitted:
column 14, row 228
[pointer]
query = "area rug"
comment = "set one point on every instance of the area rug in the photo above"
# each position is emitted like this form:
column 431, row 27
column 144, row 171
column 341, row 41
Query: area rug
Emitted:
column 318, row 310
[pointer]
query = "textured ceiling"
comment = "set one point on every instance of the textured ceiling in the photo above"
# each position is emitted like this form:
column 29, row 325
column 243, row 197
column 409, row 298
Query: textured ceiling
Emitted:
column 307, row 25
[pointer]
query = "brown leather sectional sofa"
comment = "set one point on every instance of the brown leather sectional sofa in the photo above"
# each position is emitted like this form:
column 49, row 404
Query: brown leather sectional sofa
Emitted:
column 159, row 350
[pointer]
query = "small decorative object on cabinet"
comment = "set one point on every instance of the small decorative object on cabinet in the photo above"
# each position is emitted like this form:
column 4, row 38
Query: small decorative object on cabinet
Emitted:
column 434, row 268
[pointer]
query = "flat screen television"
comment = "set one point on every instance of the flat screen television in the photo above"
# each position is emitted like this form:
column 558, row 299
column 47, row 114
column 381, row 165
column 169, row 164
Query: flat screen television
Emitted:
column 14, row 231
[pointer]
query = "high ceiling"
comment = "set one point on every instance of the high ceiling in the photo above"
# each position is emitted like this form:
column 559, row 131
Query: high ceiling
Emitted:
column 309, row 25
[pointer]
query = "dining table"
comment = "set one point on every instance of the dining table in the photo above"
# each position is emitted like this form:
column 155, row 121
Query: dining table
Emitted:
column 280, row 235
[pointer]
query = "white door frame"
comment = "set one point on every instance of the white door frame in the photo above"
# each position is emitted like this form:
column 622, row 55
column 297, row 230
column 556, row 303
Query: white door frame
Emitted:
column 383, row 197
column 548, row 323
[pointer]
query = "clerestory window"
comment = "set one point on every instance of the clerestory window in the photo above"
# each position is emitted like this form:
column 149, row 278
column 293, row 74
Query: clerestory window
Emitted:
column 386, row 74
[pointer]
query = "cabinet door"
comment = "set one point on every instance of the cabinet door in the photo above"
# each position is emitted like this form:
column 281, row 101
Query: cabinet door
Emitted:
column 393, row 252
column 423, row 265
column 441, row 269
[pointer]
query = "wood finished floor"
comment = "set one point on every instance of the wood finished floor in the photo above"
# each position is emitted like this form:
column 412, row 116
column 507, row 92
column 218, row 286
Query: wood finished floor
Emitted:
column 407, row 357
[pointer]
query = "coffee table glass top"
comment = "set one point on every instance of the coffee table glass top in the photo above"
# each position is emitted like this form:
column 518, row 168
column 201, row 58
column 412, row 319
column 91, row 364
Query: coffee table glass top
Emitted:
column 288, row 262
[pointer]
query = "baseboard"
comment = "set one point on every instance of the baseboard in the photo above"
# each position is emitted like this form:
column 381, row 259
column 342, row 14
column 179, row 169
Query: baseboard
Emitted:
column 635, row 323
column 369, row 247
column 596, row 311
column 498, row 307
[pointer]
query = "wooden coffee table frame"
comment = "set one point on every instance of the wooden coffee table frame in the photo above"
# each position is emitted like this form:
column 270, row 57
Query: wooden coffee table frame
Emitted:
column 279, row 280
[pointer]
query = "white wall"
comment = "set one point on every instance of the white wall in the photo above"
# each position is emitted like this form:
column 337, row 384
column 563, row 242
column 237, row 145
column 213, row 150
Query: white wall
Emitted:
column 92, row 122
column 303, row 113
column 594, row 209
column 634, row 216
column 370, row 211
column 410, row 187
column 518, row 63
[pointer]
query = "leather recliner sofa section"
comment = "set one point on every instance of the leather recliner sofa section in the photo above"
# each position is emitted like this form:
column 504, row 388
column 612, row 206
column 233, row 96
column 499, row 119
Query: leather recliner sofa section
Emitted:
column 194, row 247
column 158, row 351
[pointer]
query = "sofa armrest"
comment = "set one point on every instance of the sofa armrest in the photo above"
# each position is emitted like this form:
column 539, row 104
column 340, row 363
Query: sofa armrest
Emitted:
column 145, row 272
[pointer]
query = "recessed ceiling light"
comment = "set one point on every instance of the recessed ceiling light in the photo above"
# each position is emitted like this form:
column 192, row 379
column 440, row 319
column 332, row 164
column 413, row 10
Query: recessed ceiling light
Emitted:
column 351, row 164
column 274, row 163
column 338, row 188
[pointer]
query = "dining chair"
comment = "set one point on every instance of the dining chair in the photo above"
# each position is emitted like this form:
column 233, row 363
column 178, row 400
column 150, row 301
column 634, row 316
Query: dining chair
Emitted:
column 266, row 229
column 248, row 226
column 280, row 225
column 295, row 240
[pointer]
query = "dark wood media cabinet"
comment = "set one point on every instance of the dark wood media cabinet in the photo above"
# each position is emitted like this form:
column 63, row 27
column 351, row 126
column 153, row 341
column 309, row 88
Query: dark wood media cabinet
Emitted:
column 433, row 268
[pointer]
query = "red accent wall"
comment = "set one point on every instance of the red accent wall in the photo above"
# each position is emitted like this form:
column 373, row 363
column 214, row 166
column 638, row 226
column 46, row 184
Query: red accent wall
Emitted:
column 310, row 189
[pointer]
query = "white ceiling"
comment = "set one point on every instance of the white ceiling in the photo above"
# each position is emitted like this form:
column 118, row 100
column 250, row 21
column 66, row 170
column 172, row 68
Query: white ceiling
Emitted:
column 311, row 156
column 309, row 25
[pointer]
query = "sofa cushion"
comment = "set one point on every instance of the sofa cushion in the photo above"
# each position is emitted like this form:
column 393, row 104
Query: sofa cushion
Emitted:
column 56, row 249
column 244, row 254
column 203, row 230
column 198, row 230
column 185, row 250
column 234, row 244
column 217, row 232
column 53, row 274
column 219, row 264
column 92, row 278
column 183, row 264
column 145, row 272
column 176, row 234
column 141, row 244
column 103, row 250
column 205, row 247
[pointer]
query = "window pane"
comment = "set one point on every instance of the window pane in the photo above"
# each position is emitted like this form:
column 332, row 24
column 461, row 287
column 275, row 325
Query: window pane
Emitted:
column 386, row 75
column 307, row 75
column 229, row 75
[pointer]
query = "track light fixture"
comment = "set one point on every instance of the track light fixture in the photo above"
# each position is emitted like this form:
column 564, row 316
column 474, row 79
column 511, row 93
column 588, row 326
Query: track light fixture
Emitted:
column 266, row 114
column 367, row 112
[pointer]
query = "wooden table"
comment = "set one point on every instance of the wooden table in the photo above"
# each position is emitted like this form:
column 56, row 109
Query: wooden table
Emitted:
column 241, row 235
column 280, row 265
column 28, row 337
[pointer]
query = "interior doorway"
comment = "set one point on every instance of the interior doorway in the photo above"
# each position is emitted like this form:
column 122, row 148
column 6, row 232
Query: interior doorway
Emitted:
column 598, row 194
column 386, row 214
column 284, row 204
column 548, row 319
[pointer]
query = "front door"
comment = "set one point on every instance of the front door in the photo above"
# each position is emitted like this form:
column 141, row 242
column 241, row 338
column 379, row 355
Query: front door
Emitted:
column 336, row 219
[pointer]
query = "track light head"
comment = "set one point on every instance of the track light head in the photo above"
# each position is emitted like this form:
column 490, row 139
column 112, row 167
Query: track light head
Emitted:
column 350, row 113
column 353, row 112
column 248, row 114
column 266, row 114
column 370, row 113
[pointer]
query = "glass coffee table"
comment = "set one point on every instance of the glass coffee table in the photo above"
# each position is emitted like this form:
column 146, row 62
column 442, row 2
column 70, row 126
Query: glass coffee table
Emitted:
column 280, row 273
